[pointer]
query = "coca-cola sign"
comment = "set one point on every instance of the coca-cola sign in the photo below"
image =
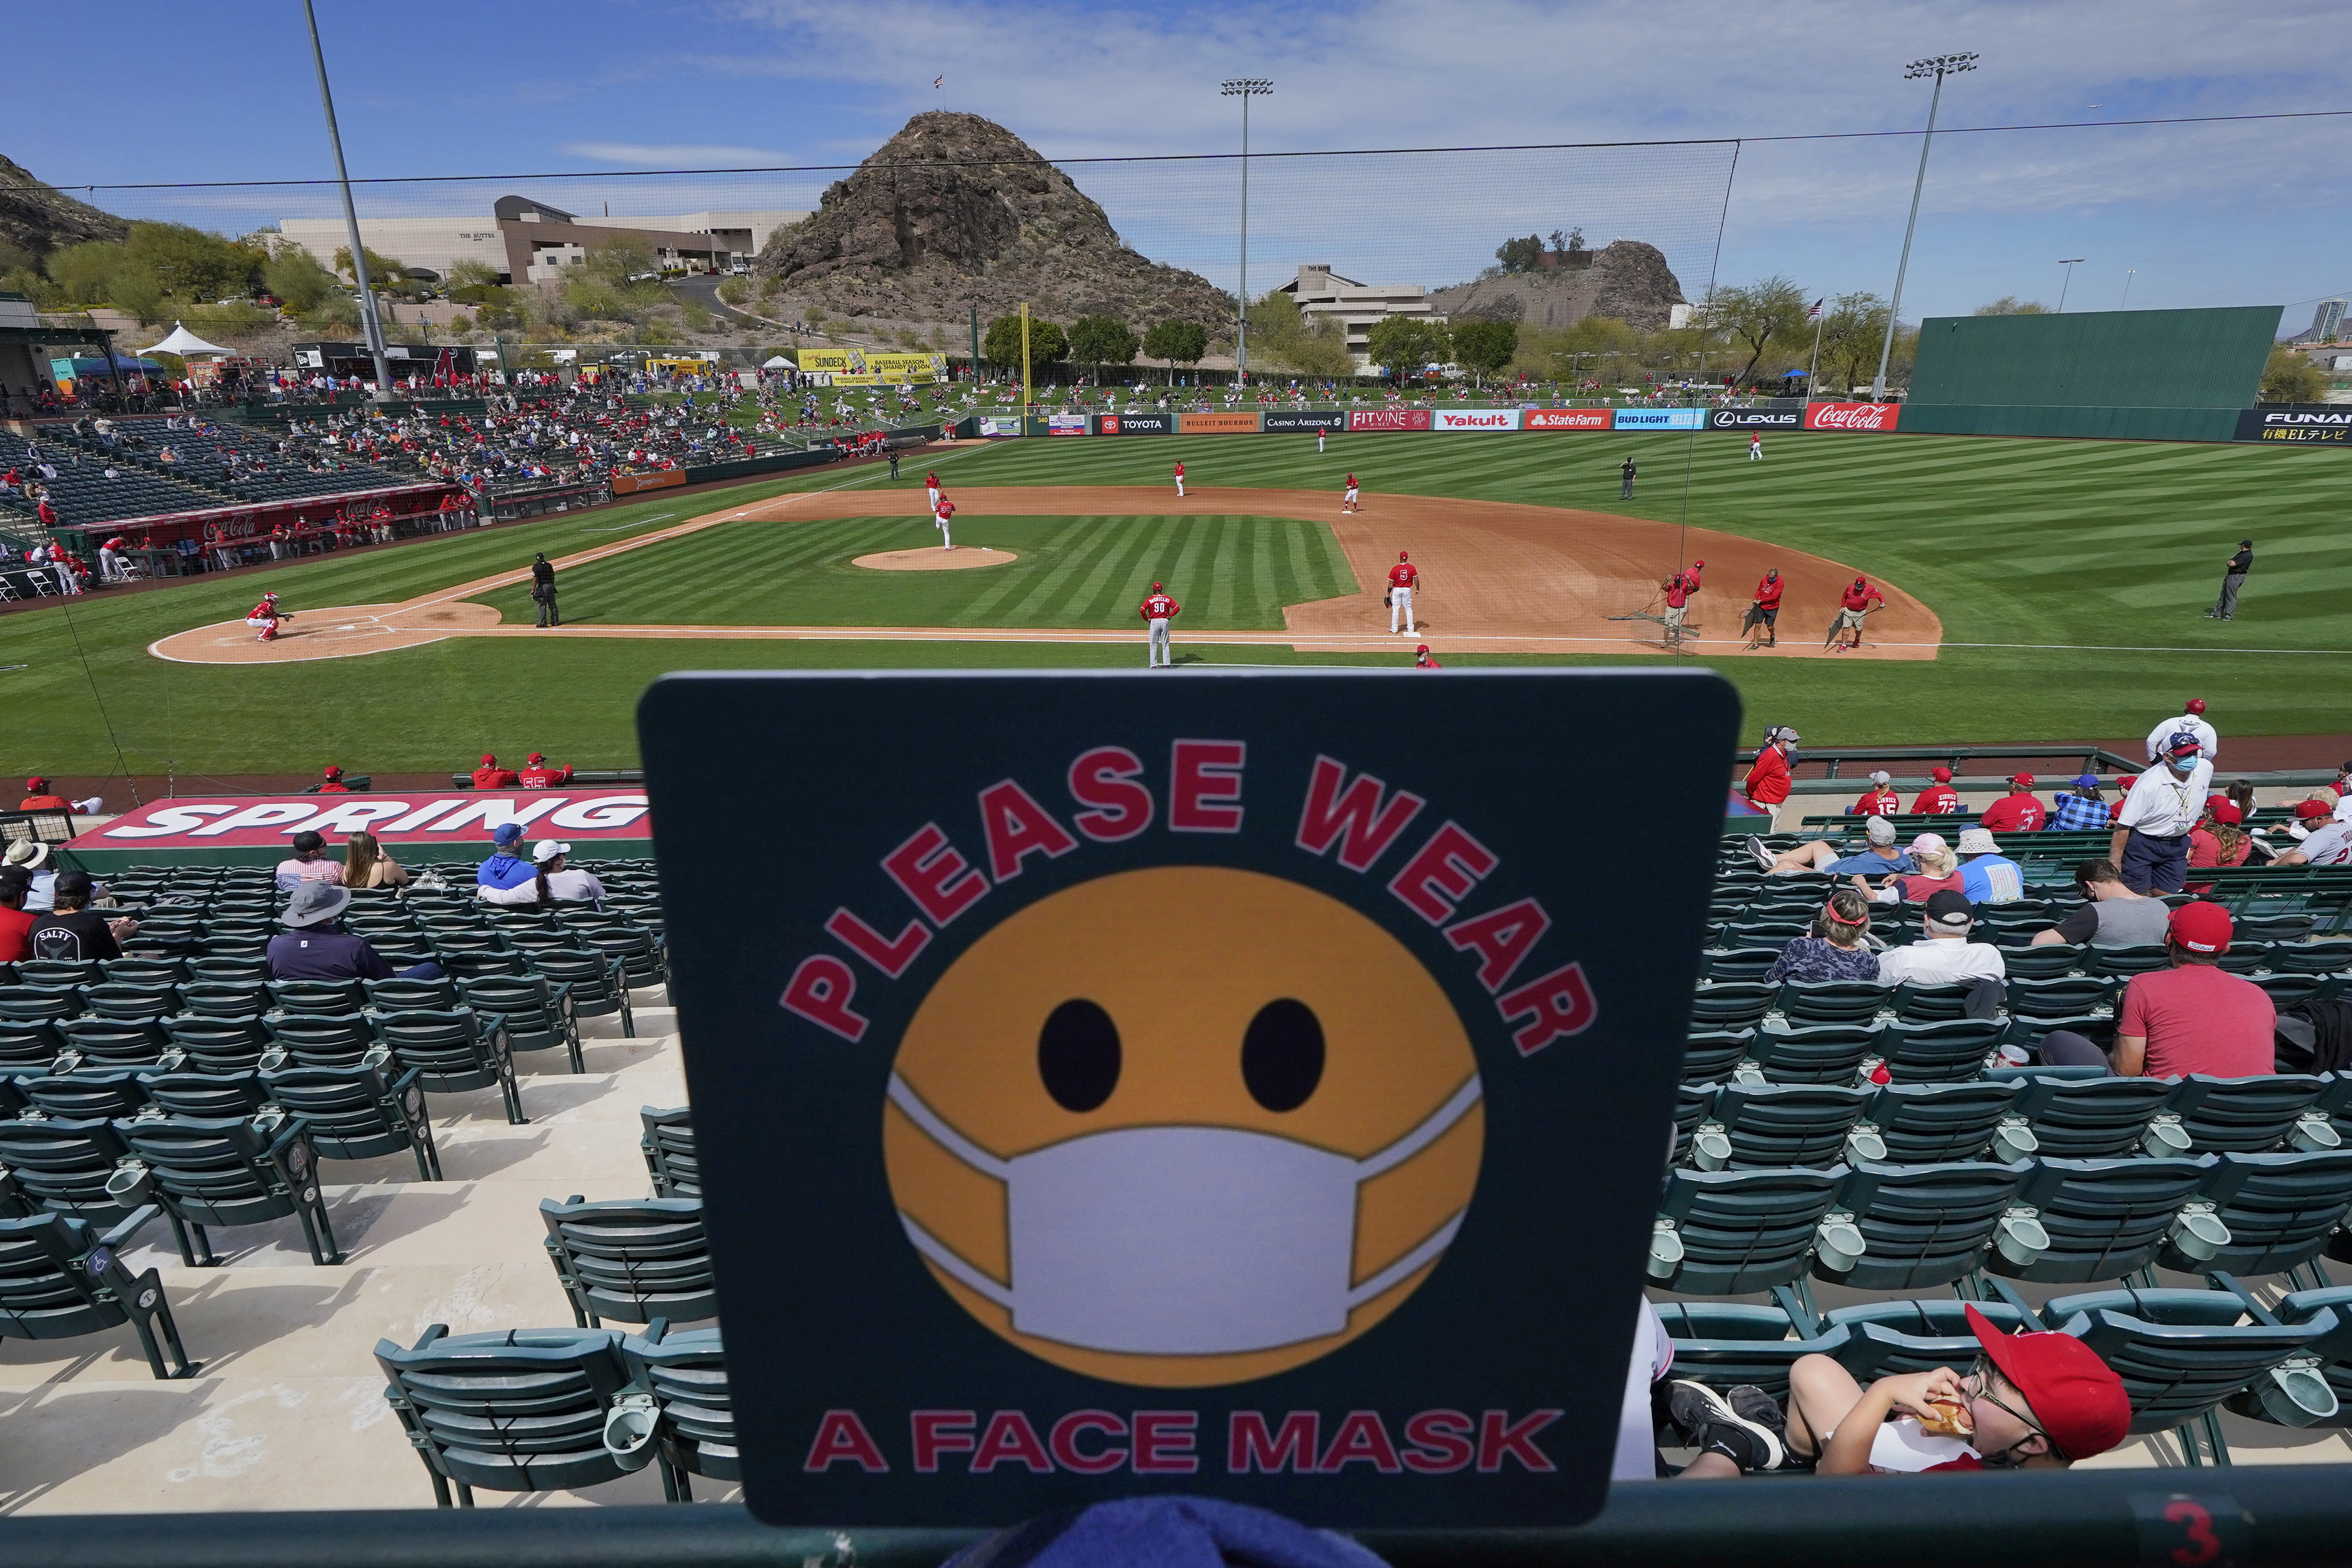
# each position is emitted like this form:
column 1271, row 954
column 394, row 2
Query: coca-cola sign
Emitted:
column 1851, row 416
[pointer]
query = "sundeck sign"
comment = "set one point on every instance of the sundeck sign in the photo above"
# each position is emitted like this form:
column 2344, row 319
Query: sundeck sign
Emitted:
column 245, row 821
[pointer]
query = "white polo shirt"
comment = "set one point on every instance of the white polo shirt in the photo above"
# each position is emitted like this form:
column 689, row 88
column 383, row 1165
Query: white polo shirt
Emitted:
column 2162, row 805
column 2206, row 738
column 1941, row 961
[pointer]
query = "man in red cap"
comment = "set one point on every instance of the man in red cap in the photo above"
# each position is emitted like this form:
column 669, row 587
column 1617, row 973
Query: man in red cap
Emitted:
column 332, row 782
column 2033, row 1401
column 2019, row 812
column 537, row 775
column 38, row 796
column 1854, row 608
column 2194, row 1016
column 490, row 775
column 1764, row 615
column 1766, row 784
column 1939, row 798
column 1422, row 660
column 2329, row 841
column 2191, row 721
column 1678, row 590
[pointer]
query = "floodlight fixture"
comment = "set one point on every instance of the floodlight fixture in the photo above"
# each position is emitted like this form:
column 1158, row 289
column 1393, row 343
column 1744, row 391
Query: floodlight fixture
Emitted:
column 1244, row 89
column 1939, row 66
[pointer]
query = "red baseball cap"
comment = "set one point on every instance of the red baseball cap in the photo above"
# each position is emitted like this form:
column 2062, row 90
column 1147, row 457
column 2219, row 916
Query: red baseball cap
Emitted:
column 2077, row 1398
column 333, row 771
column 1696, row 564
column 2201, row 927
column 2311, row 810
column 1941, row 775
column 487, row 759
column 36, row 785
column 2024, row 778
column 2196, row 704
column 1423, row 649
column 535, row 756
column 2226, row 811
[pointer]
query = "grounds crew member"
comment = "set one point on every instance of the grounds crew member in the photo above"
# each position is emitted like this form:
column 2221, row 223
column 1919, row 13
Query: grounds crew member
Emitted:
column 1854, row 608
column 2232, row 579
column 1765, row 613
column 542, row 591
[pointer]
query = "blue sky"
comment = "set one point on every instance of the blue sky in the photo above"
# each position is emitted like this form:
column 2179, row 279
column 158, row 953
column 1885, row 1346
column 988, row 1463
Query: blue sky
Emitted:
column 2203, row 215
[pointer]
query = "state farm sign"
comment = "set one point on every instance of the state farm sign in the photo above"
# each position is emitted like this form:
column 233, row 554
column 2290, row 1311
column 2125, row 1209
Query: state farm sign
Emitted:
column 465, row 820
column 1476, row 419
column 1851, row 416
column 1569, row 419
column 1389, row 419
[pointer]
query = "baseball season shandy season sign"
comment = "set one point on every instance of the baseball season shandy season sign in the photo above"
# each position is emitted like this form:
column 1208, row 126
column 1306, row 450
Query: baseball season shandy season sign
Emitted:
column 1252, row 1083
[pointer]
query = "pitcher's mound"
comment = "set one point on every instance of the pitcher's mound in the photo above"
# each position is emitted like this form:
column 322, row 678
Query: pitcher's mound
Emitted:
column 928, row 559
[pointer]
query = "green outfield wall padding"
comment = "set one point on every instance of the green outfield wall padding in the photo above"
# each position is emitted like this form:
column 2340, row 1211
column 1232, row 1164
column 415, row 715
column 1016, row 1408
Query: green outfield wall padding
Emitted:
column 2106, row 424
column 747, row 467
column 2096, row 359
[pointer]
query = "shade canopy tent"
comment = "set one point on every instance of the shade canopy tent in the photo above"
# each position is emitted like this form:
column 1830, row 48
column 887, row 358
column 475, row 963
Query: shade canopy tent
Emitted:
column 184, row 342
column 779, row 363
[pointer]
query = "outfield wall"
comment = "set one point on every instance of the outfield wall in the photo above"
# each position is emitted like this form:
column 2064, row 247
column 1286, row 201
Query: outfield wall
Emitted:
column 2190, row 361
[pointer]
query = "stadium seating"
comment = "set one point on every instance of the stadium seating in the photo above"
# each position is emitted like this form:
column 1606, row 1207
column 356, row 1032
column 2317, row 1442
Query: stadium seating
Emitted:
column 518, row 1411
column 225, row 1172
column 359, row 1113
column 633, row 1259
column 669, row 1148
column 60, row 1278
column 679, row 1381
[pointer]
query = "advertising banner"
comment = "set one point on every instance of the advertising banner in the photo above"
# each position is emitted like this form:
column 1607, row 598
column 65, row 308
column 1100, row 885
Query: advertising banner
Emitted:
column 1389, row 419
column 460, row 823
column 1305, row 421
column 1754, row 419
column 1851, row 416
column 999, row 425
column 1218, row 424
column 630, row 483
column 1068, row 423
column 2308, row 426
column 1659, row 418
column 1569, row 419
column 1224, row 1086
column 1475, row 419
column 1135, row 425
column 865, row 367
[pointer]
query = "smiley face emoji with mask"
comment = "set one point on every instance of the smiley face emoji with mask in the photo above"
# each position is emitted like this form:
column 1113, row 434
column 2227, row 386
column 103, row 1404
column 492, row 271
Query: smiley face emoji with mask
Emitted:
column 1183, row 1126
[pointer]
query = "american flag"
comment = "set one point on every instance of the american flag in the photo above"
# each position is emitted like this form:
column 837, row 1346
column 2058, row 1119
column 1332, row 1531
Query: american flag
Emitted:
column 1813, row 311
column 938, row 81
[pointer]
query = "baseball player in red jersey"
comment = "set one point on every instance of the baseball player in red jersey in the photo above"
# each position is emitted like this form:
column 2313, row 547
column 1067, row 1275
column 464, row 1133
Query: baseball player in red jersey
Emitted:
column 1765, row 615
column 1939, row 798
column 490, row 775
column 931, row 491
column 1421, row 661
column 944, row 514
column 1403, row 577
column 331, row 783
column 1853, row 606
column 265, row 616
column 1158, row 610
column 538, row 775
column 1348, row 501
column 1879, row 801
column 1179, row 481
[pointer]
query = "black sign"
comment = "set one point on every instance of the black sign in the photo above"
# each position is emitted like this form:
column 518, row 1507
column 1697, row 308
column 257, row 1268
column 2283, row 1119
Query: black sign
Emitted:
column 1294, row 422
column 1218, row 1083
column 1137, row 423
column 1756, row 419
column 2308, row 425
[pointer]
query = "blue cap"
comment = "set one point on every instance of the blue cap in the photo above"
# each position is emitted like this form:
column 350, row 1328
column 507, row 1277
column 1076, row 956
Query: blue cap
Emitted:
column 2183, row 745
column 507, row 835
column 2086, row 781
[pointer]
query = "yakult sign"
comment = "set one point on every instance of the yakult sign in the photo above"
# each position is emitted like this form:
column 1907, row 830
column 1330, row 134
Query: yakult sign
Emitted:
column 1851, row 416
column 247, row 822
column 1476, row 419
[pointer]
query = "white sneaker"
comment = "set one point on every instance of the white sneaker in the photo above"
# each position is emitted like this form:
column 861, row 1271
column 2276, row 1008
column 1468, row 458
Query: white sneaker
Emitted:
column 1763, row 856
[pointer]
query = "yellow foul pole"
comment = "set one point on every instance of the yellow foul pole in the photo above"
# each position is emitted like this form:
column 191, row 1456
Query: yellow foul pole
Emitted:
column 1025, row 397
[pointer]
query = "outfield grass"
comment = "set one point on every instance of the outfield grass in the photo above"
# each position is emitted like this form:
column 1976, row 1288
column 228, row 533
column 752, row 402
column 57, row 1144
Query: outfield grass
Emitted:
column 2039, row 556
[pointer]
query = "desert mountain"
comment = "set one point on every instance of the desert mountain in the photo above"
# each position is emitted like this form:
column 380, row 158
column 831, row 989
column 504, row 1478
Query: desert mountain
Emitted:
column 36, row 218
column 1628, row 280
column 954, row 211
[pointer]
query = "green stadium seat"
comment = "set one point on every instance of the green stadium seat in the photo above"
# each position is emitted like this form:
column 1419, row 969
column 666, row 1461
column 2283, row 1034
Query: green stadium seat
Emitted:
column 83, row 1096
column 1887, row 1339
column 404, row 995
column 1713, row 1056
column 1934, row 1123
column 60, row 1278
column 2046, row 963
column 359, row 1112
column 1820, row 1053
column 2066, row 997
column 60, row 971
column 536, row 1013
column 1913, row 1003
column 220, row 1044
column 1726, row 1343
column 2310, row 957
column 206, row 1093
column 519, row 1411
column 28, row 1044
column 327, row 997
column 31, row 1003
column 2280, row 1211
column 681, row 1380
column 1760, row 1126
column 1804, row 1002
column 227, row 1172
column 644, row 959
column 226, row 999
column 2331, row 1354
column 668, row 1147
column 1726, row 1233
column 457, row 1049
column 2252, row 1115
column 2108, row 1219
column 113, row 999
column 1950, row 1052
column 1923, row 1226
column 598, row 985
column 635, row 1259
column 320, row 1040
column 102, row 1043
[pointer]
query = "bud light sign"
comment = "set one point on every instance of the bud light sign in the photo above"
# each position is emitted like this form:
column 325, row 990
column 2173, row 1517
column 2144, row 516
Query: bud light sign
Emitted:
column 1851, row 416
column 1661, row 419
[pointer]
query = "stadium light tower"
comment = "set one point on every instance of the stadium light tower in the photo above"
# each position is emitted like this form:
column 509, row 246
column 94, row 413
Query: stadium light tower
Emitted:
column 1244, row 89
column 1939, row 66
column 368, row 322
column 2069, row 263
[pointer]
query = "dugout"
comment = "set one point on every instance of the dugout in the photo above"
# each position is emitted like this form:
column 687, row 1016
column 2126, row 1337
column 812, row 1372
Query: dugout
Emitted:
column 2161, row 375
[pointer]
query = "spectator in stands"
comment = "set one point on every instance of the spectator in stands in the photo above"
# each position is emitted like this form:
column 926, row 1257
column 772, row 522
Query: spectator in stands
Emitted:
column 2019, row 812
column 32, row 857
column 367, row 866
column 2328, row 843
column 1987, row 875
column 1935, row 870
column 1880, row 858
column 1944, row 955
column 39, row 797
column 1939, row 798
column 490, row 775
column 2218, row 839
column 1879, row 801
column 2113, row 916
column 1767, row 785
column 1834, row 950
column 314, row 946
column 307, row 864
column 2151, row 831
column 2313, row 812
column 552, row 881
column 2194, row 1016
column 15, row 920
column 2081, row 810
column 2034, row 1401
column 331, row 782
column 504, row 869
column 537, row 775
column 71, row 930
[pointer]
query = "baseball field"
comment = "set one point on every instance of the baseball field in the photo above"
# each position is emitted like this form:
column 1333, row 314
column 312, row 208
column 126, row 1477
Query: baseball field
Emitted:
column 2038, row 588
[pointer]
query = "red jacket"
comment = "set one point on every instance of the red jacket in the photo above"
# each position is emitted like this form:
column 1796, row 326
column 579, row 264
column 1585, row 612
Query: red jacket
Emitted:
column 489, row 777
column 545, row 778
column 1879, row 803
column 1937, row 800
column 1767, row 781
column 2015, row 814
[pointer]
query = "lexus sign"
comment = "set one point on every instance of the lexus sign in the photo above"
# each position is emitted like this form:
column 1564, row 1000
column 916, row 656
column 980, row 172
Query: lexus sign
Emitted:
column 1754, row 419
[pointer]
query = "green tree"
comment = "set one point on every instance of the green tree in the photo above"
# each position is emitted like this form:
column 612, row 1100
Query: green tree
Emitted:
column 1000, row 345
column 1100, row 340
column 1851, row 335
column 1753, row 317
column 472, row 274
column 2289, row 377
column 85, row 272
column 1520, row 254
column 382, row 269
column 191, row 264
column 1320, row 348
column 298, row 280
column 2011, row 305
column 1178, row 342
column 735, row 290
column 1405, row 343
column 694, row 314
column 138, row 293
column 1483, row 348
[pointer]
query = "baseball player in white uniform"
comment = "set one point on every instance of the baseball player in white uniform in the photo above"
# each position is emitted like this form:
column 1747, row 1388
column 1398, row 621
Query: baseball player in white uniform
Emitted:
column 1756, row 447
column 1318, row 443
column 1157, row 609
column 1179, row 481
column 943, row 517
column 931, row 492
column 1348, row 501
column 1402, row 578
column 2191, row 722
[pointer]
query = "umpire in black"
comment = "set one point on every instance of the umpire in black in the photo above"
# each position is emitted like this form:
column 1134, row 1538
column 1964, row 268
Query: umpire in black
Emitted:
column 2233, row 580
column 542, row 590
